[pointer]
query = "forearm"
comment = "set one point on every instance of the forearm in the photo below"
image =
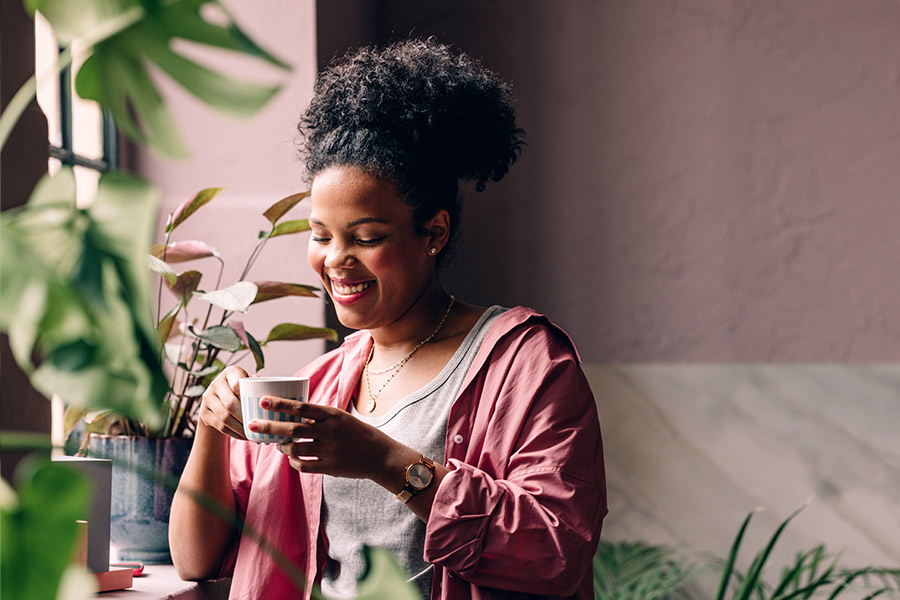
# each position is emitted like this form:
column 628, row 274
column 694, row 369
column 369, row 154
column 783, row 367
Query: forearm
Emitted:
column 392, row 477
column 199, row 538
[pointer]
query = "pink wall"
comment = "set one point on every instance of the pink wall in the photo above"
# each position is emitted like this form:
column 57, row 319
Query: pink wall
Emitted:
column 256, row 161
column 703, row 182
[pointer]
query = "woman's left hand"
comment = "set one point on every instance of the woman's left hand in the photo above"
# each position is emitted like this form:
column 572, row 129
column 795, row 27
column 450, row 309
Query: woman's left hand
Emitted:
column 332, row 441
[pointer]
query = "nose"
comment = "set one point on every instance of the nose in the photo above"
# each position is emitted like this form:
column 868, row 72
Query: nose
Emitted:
column 339, row 255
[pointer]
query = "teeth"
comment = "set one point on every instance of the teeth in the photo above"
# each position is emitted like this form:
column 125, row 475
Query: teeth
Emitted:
column 346, row 290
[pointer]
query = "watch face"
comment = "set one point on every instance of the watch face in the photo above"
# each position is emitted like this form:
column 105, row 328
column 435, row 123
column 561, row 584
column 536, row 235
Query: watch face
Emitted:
column 419, row 476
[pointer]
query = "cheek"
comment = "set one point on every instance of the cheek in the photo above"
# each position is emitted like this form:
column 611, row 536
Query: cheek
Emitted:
column 315, row 256
column 392, row 260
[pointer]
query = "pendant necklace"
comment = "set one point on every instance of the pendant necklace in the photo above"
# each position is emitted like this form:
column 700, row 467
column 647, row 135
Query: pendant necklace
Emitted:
column 370, row 405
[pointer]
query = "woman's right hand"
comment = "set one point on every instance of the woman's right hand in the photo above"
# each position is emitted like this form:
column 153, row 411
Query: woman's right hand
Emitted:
column 220, row 406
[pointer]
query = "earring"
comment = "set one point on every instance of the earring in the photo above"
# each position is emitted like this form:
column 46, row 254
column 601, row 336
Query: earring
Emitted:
column 433, row 251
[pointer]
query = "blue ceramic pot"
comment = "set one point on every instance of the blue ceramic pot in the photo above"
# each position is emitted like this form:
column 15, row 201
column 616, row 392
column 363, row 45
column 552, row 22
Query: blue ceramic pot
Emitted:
column 144, row 476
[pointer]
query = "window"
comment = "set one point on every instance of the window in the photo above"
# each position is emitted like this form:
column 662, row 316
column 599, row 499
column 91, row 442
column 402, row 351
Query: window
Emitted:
column 81, row 135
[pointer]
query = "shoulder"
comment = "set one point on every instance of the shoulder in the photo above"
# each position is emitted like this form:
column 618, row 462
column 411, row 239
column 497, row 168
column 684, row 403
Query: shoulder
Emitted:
column 522, row 328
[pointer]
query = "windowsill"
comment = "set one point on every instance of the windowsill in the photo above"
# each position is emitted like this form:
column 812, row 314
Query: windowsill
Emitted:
column 160, row 582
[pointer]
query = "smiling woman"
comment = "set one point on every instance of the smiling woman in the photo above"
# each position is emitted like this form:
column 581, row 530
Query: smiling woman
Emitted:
column 463, row 439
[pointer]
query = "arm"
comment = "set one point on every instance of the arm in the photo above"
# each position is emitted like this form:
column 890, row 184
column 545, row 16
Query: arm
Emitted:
column 522, row 511
column 199, row 539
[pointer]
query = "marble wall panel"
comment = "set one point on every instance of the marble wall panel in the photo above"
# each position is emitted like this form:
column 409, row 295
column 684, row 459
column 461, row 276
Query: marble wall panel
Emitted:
column 691, row 449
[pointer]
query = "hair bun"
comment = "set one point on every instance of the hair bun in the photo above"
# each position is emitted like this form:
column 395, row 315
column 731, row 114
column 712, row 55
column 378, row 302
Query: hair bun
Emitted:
column 409, row 110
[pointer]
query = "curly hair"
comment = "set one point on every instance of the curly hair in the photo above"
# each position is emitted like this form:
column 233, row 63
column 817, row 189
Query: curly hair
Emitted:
column 417, row 115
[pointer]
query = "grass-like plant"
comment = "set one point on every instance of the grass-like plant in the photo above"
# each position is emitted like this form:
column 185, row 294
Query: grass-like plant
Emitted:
column 639, row 571
column 813, row 574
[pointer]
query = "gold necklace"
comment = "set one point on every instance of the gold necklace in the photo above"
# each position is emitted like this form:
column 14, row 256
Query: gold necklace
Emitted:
column 370, row 405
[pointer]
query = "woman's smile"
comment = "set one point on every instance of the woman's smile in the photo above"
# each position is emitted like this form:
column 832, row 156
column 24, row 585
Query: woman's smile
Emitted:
column 349, row 292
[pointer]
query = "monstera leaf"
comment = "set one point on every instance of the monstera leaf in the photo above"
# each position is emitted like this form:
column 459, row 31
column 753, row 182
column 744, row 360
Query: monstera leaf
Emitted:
column 128, row 35
column 75, row 299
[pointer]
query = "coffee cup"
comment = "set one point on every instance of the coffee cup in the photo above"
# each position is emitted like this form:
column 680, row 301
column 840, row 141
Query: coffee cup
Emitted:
column 254, row 389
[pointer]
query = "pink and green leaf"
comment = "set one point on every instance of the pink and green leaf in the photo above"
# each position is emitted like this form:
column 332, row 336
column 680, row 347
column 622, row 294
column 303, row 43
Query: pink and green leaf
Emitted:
column 278, row 210
column 183, row 251
column 294, row 331
column 269, row 290
column 288, row 227
column 235, row 298
column 189, row 207
column 186, row 285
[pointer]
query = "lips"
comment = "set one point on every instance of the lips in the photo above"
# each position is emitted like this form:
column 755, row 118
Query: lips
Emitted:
column 348, row 292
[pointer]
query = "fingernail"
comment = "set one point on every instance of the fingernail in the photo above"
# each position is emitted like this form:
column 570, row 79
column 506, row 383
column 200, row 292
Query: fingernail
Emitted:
column 253, row 426
column 265, row 403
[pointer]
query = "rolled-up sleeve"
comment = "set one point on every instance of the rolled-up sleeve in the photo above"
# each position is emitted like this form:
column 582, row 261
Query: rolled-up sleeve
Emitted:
column 523, row 510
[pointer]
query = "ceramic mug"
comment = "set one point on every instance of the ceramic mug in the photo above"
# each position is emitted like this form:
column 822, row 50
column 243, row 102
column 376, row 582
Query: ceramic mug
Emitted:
column 253, row 389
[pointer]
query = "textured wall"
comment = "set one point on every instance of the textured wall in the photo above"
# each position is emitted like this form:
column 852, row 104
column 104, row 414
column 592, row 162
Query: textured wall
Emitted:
column 704, row 180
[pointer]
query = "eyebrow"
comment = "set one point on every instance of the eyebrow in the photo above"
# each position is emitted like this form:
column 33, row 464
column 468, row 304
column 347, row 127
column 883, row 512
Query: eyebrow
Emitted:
column 352, row 224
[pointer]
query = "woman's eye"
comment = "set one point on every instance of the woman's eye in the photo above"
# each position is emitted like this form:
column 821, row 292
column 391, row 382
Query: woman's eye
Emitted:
column 371, row 241
column 320, row 240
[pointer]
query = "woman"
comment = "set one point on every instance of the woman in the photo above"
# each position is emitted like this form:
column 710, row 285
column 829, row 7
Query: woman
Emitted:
column 462, row 438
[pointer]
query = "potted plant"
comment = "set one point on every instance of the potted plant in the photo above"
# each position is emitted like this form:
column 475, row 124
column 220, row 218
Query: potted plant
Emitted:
column 194, row 347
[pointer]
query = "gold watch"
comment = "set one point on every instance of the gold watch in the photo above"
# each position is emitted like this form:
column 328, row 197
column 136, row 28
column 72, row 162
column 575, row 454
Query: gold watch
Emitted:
column 419, row 476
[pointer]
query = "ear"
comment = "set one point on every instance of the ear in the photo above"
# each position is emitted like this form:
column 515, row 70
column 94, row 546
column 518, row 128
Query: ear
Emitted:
column 438, row 228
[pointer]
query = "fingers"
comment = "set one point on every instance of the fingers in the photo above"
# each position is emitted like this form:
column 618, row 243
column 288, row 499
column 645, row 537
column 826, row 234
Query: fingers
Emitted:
column 288, row 429
column 220, row 406
column 316, row 412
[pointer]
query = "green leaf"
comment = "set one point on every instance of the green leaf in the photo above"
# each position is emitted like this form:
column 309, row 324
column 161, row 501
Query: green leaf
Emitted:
column 180, row 21
column 38, row 530
column 118, row 81
column 728, row 571
column 293, row 331
column 269, row 290
column 189, row 207
column 221, row 336
column 184, row 251
column 256, row 350
column 235, row 298
column 754, row 575
column 288, row 227
column 384, row 578
column 128, row 35
column 162, row 269
column 72, row 20
column 278, row 210
column 54, row 189
column 237, row 98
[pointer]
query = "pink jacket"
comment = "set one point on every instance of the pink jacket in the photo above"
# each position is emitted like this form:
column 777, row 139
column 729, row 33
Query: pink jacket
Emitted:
column 520, row 511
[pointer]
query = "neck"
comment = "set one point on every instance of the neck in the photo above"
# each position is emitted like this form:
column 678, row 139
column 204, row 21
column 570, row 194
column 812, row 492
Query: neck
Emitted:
column 417, row 322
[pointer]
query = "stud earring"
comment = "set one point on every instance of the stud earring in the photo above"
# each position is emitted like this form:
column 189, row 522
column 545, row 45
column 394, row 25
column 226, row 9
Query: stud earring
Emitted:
column 433, row 251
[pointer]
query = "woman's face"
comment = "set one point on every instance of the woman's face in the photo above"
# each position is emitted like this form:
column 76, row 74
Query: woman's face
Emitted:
column 365, row 248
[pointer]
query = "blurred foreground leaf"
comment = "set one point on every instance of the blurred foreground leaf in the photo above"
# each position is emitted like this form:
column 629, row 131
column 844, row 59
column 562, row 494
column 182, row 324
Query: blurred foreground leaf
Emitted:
column 38, row 528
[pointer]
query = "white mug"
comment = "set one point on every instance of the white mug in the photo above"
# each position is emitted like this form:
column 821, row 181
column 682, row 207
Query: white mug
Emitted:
column 253, row 389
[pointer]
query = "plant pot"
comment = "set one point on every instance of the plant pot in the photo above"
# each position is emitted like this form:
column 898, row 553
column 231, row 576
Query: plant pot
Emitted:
column 144, row 476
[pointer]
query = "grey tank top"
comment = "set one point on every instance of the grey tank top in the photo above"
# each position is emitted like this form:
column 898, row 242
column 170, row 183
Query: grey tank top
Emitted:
column 357, row 512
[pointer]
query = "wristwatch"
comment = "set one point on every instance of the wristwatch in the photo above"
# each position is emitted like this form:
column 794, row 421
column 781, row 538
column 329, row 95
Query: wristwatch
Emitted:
column 419, row 476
